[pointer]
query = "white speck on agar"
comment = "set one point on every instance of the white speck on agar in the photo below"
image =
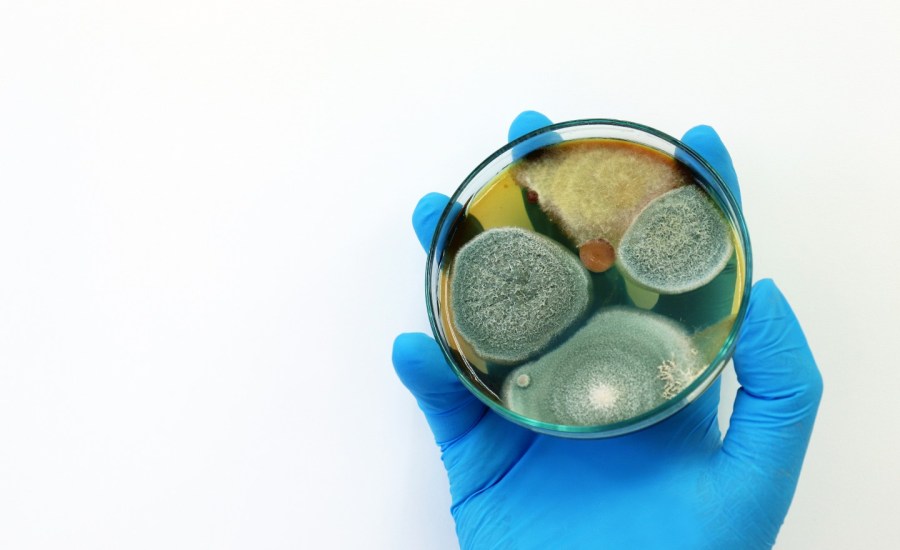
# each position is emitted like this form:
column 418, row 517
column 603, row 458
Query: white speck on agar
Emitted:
column 523, row 380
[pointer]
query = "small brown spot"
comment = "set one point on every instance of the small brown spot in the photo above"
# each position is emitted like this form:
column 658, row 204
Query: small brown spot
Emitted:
column 532, row 196
column 597, row 255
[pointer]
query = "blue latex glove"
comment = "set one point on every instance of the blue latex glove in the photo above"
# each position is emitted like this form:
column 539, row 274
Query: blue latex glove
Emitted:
column 677, row 484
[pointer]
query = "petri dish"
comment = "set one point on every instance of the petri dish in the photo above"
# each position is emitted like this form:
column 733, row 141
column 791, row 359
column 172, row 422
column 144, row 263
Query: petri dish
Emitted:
column 589, row 278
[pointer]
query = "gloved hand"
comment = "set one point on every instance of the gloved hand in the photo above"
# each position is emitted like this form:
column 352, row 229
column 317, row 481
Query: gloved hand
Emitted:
column 677, row 484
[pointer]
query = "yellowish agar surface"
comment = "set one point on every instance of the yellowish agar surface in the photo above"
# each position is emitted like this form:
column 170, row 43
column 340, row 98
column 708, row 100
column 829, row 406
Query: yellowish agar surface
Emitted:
column 642, row 298
column 739, row 282
column 500, row 204
column 709, row 340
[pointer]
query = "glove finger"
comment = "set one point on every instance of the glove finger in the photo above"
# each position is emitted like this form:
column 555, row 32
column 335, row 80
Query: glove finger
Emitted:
column 705, row 141
column 426, row 216
column 451, row 410
column 525, row 123
column 780, row 389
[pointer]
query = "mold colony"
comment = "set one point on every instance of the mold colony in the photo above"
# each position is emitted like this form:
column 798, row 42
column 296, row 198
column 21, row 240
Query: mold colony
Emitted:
column 589, row 282
column 679, row 242
column 514, row 291
column 607, row 372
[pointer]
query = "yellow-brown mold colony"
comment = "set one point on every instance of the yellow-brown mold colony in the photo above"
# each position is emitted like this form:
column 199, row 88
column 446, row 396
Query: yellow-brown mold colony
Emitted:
column 594, row 188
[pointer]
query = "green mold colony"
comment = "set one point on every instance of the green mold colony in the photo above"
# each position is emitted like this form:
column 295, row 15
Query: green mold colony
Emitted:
column 514, row 291
column 679, row 242
column 622, row 363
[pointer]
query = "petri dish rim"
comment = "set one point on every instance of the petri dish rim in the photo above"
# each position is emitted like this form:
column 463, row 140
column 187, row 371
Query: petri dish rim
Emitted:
column 712, row 182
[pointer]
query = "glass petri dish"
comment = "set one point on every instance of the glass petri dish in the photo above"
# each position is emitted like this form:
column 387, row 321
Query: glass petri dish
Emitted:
column 518, row 187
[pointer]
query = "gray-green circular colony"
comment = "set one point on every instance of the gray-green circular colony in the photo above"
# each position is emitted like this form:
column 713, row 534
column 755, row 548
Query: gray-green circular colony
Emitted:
column 514, row 291
column 679, row 242
column 622, row 363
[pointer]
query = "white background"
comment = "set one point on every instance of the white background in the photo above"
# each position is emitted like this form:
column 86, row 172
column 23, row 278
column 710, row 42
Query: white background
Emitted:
column 206, row 250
